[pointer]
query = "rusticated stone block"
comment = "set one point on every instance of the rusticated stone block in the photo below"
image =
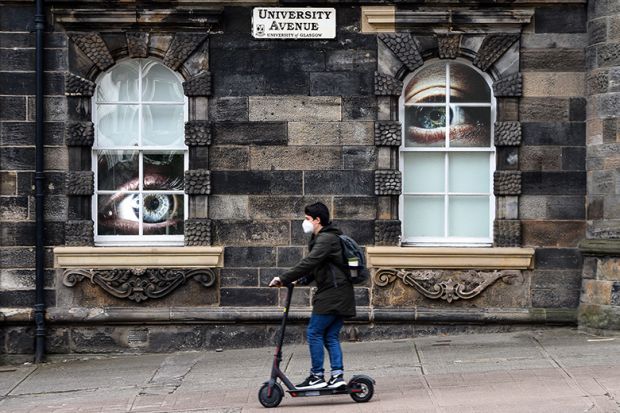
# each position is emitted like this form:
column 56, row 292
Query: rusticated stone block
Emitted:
column 388, row 182
column 405, row 47
column 506, row 233
column 295, row 108
column 94, row 47
column 78, row 86
column 80, row 183
column 79, row 134
column 137, row 44
column 507, row 133
column 197, row 182
column 492, row 48
column 181, row 48
column 387, row 232
column 79, row 233
column 197, row 231
column 511, row 85
column 197, row 133
column 507, row 182
column 388, row 133
column 198, row 85
column 448, row 45
column 386, row 85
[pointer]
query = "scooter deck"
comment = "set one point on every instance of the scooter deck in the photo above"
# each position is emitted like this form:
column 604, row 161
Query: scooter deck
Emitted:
column 319, row 392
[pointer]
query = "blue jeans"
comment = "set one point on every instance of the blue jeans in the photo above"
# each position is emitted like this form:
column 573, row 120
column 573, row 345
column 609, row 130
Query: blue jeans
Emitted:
column 323, row 332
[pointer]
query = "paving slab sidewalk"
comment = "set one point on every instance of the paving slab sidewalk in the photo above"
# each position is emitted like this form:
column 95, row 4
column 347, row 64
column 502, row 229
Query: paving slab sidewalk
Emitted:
column 552, row 370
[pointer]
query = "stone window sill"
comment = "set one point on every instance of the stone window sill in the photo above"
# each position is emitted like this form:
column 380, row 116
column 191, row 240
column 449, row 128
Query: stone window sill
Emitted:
column 451, row 258
column 132, row 257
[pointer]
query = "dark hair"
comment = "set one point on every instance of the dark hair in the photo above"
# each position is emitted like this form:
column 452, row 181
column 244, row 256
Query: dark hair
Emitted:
column 320, row 211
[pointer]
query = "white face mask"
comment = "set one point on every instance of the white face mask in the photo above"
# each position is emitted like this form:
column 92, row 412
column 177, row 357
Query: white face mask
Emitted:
column 307, row 226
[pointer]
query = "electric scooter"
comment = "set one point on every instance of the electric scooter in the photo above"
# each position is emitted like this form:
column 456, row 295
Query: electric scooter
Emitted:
column 360, row 387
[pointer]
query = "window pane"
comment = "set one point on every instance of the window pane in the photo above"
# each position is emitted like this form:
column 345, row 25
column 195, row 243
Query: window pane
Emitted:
column 468, row 216
column 159, row 84
column 467, row 85
column 163, row 171
column 427, row 86
column 117, row 125
column 118, row 214
column 425, row 126
column 470, row 127
column 120, row 84
column 116, row 169
column 468, row 172
column 162, row 214
column 163, row 125
column 424, row 216
column 424, row 172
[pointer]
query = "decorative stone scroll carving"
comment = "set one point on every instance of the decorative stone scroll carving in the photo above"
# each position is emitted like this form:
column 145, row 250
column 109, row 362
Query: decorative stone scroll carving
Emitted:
column 197, row 232
column 137, row 44
column 448, row 45
column 198, row 85
column 388, row 133
column 139, row 284
column 79, row 233
column 387, row 182
column 181, row 48
column 387, row 232
column 197, row 133
column 78, row 86
column 507, row 183
column 442, row 285
column 511, row 85
column 386, row 85
column 94, row 47
column 507, row 133
column 80, row 183
column 404, row 47
column 198, row 182
column 507, row 233
column 79, row 134
column 492, row 48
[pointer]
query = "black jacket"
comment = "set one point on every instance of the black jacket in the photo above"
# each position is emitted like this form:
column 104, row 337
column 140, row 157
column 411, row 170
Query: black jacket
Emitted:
column 325, row 265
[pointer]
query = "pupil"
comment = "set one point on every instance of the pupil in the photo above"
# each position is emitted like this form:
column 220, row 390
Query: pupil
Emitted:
column 153, row 204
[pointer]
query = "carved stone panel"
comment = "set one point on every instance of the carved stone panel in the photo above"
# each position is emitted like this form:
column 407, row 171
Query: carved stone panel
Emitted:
column 387, row 232
column 79, row 134
column 388, row 182
column 507, row 182
column 492, row 48
column 197, row 231
column 78, row 86
column 137, row 44
column 507, row 233
column 198, row 182
column 79, row 233
column 80, row 183
column 386, row 85
column 507, row 133
column 448, row 45
column 181, row 48
column 388, row 133
column 511, row 85
column 405, row 47
column 198, row 85
column 94, row 47
column 197, row 133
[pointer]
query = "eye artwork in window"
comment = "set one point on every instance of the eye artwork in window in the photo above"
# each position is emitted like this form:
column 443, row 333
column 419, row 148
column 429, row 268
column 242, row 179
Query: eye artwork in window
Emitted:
column 436, row 114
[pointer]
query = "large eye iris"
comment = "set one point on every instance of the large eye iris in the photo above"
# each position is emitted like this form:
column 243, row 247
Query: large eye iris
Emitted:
column 156, row 208
column 430, row 118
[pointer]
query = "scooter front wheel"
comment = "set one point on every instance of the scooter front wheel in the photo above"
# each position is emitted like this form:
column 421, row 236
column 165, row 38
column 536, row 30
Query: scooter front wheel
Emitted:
column 362, row 389
column 272, row 400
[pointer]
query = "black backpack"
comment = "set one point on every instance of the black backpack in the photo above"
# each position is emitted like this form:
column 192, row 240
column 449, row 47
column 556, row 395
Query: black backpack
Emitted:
column 355, row 261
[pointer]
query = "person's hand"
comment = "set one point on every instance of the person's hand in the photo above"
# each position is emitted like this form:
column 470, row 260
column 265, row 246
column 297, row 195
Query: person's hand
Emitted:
column 276, row 282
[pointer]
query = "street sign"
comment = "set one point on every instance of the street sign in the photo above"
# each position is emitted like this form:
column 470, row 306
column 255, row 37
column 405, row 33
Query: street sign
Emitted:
column 293, row 23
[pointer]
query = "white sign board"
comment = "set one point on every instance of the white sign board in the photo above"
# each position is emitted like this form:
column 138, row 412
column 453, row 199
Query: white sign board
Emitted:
column 293, row 23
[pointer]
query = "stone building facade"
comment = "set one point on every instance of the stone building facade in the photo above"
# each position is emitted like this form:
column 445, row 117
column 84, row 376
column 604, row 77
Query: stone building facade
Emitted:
column 254, row 129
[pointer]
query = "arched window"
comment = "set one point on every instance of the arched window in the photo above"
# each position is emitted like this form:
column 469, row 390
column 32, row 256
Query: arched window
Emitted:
column 139, row 155
column 447, row 157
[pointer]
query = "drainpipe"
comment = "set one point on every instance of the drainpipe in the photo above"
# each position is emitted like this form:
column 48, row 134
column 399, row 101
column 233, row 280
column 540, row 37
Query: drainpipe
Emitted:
column 39, row 307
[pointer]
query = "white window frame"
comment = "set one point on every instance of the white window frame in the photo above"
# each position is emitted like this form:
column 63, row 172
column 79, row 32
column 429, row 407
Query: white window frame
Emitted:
column 445, row 240
column 135, row 240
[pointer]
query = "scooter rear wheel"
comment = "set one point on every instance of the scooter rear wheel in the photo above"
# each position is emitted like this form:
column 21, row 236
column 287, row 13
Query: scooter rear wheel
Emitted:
column 276, row 395
column 366, row 386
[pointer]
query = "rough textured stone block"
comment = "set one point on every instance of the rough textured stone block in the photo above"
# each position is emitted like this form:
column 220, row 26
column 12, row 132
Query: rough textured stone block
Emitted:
column 250, row 133
column 554, row 183
column 555, row 298
column 80, row 134
column 249, row 297
column 251, row 257
column 239, row 277
column 356, row 133
column 8, row 183
column 448, row 45
column 197, row 133
column 12, row 108
column 228, row 207
column 552, row 60
column 556, row 279
column 197, row 182
column 540, row 158
column 404, row 47
column 330, row 133
column 354, row 207
column 25, row 298
column 341, row 83
column 359, row 108
column 557, row 258
column 137, row 44
column 554, row 133
column 386, row 85
column 250, row 233
column 387, row 232
column 573, row 159
column 94, row 47
column 199, row 85
column 492, row 48
column 295, row 108
column 80, row 183
column 17, row 158
column 229, row 158
column 289, row 256
column 13, row 208
column 596, row 292
column 362, row 231
column 507, row 133
column 23, row 233
column 552, row 207
column 295, row 158
column 506, row 233
column 197, row 231
column 233, row 109
column 509, row 85
column 553, row 233
column 281, row 207
column 79, row 233
column 359, row 157
column 351, row 60
column 339, row 182
column 258, row 182
column 560, row 19
column 78, row 86
column 388, row 133
column 507, row 183
column 388, row 182
column 183, row 44
column 553, row 84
